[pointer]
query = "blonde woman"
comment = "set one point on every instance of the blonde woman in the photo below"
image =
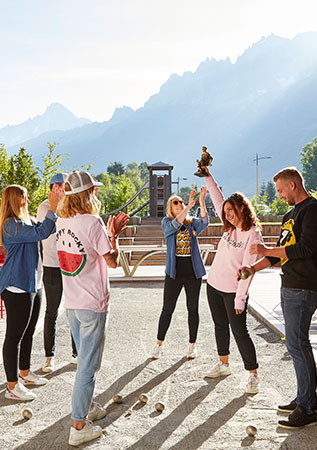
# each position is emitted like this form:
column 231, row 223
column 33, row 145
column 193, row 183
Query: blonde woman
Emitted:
column 184, row 266
column 85, row 252
column 21, row 286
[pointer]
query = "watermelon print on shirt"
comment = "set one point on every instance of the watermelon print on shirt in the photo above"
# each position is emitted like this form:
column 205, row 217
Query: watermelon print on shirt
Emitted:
column 72, row 260
column 81, row 242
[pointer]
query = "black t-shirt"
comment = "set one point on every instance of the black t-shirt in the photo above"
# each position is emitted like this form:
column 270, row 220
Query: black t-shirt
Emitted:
column 299, row 236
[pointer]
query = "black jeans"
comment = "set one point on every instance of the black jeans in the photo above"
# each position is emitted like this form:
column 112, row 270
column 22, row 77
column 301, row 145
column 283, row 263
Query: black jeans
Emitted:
column 222, row 309
column 22, row 313
column 53, row 285
column 172, row 289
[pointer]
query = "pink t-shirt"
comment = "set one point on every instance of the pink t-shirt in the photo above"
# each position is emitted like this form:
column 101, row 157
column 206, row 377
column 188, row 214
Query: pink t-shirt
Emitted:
column 232, row 253
column 81, row 241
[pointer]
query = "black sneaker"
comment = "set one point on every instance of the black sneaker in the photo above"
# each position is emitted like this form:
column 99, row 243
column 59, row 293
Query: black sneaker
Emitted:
column 298, row 418
column 288, row 408
column 291, row 406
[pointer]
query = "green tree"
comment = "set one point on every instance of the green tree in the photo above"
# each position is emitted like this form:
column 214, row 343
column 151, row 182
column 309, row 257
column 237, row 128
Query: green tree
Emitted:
column 4, row 167
column 262, row 192
column 279, row 207
column 122, row 191
column 270, row 192
column 115, row 168
column 21, row 171
column 309, row 164
column 52, row 165
column 144, row 171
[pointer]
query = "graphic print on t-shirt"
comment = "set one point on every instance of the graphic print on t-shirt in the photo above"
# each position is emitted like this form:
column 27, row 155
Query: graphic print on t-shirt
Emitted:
column 183, row 243
column 72, row 258
column 287, row 236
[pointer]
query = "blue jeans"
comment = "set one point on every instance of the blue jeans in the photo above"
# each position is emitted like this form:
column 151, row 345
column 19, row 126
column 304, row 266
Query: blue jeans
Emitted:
column 298, row 307
column 88, row 330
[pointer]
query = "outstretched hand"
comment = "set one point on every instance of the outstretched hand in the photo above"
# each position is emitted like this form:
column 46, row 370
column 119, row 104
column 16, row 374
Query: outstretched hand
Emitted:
column 192, row 199
column 120, row 223
column 202, row 197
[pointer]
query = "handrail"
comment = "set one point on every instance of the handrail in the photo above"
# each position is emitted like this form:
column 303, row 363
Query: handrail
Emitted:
column 139, row 209
column 146, row 185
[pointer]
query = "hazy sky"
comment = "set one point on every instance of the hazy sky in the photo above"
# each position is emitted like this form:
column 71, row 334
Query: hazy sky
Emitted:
column 95, row 55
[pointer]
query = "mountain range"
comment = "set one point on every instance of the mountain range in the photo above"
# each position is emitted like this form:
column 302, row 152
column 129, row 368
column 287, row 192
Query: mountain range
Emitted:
column 263, row 103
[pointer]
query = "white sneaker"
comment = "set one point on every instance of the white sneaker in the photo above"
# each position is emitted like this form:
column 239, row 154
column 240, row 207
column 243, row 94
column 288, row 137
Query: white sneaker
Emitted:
column 19, row 392
column 97, row 412
column 33, row 380
column 219, row 370
column 192, row 352
column 253, row 384
column 157, row 351
column 48, row 366
column 88, row 433
column 74, row 360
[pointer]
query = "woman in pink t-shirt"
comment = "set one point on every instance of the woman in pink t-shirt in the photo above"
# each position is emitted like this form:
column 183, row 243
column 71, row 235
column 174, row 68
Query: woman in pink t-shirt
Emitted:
column 85, row 250
column 228, row 297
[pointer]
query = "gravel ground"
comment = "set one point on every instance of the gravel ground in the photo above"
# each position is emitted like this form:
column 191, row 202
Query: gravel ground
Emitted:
column 199, row 414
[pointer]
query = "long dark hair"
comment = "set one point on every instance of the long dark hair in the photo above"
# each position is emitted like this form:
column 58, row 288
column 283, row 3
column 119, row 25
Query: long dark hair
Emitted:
column 249, row 217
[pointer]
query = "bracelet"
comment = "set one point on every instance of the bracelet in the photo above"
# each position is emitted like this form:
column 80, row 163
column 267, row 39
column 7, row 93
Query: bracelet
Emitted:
column 113, row 237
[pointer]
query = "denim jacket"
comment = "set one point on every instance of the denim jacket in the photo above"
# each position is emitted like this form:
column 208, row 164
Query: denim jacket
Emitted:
column 170, row 228
column 21, row 243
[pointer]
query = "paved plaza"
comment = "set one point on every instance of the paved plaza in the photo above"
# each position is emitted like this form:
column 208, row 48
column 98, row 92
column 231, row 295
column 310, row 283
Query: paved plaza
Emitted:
column 200, row 413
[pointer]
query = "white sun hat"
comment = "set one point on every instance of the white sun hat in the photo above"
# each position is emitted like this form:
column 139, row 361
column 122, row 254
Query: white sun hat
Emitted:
column 79, row 181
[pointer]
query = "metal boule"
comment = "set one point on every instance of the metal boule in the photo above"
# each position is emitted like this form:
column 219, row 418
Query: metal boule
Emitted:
column 27, row 413
column 117, row 398
column 251, row 430
column 244, row 274
column 143, row 398
column 159, row 406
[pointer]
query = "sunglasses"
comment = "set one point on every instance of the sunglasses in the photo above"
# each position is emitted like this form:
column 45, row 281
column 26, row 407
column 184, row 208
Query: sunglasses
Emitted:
column 176, row 202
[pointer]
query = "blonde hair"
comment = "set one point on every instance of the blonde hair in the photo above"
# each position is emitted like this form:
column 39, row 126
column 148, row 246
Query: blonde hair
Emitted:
column 289, row 174
column 169, row 212
column 14, row 203
column 84, row 202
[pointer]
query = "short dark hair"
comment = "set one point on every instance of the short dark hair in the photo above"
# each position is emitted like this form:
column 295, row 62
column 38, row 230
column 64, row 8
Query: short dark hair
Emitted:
column 289, row 174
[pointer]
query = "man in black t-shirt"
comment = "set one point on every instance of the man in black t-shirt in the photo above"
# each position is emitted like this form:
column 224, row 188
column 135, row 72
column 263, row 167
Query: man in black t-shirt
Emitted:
column 297, row 251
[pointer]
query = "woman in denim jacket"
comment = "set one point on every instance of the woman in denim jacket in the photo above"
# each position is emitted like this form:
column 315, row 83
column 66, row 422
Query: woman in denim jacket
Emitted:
column 20, row 286
column 184, row 266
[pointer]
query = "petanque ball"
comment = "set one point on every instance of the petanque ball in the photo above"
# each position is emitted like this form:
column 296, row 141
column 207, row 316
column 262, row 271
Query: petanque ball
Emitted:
column 27, row 413
column 117, row 398
column 251, row 430
column 143, row 398
column 159, row 406
column 244, row 274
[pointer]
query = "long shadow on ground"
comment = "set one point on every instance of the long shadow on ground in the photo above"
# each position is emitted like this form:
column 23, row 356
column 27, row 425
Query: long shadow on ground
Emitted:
column 58, row 433
column 160, row 433
column 204, row 431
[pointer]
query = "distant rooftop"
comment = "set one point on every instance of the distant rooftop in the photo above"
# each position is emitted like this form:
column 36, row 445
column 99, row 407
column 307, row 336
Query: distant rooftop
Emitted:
column 161, row 165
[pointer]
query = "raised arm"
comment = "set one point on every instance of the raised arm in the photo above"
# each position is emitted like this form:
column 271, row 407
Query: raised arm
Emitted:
column 182, row 216
column 215, row 193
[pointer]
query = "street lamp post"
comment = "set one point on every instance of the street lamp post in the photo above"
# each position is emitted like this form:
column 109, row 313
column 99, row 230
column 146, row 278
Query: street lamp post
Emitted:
column 177, row 182
column 257, row 159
